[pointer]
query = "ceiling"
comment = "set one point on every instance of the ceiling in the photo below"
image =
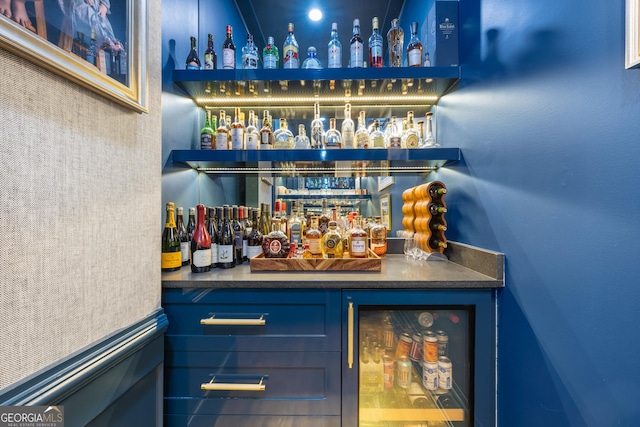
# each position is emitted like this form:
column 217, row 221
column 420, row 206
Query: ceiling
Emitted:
column 270, row 18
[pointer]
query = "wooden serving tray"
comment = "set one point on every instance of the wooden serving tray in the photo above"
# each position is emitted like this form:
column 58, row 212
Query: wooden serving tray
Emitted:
column 260, row 263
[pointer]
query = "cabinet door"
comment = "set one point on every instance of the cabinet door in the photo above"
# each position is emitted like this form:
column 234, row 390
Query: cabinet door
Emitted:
column 418, row 357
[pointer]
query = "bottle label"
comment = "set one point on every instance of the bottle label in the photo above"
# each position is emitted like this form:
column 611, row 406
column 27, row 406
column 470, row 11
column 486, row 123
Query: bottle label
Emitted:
column 275, row 246
column 414, row 58
column 222, row 141
column 237, row 239
column 201, row 258
column 251, row 141
column 356, row 55
column 290, row 59
column 314, row 246
column 253, row 251
column 335, row 57
column 362, row 140
column 171, row 259
column 249, row 61
column 331, row 243
column 245, row 246
column 395, row 142
column 228, row 58
column 347, row 139
column 184, row 249
column 269, row 60
column 358, row 246
column 205, row 141
column 208, row 61
column 214, row 253
column 375, row 51
column 237, row 139
column 265, row 141
column 412, row 141
column 295, row 234
column 225, row 253
column 378, row 142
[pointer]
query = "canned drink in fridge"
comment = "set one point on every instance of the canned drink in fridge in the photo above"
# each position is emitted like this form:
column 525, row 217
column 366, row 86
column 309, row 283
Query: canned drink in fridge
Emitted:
column 403, row 372
column 443, row 343
column 430, row 375
column 430, row 347
column 425, row 319
column 404, row 345
column 415, row 353
column 389, row 366
column 389, row 337
column 445, row 372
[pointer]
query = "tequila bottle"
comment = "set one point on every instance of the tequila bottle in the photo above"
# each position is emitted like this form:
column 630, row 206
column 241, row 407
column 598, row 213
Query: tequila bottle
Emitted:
column 250, row 54
column 377, row 137
column 301, row 141
column 312, row 61
column 356, row 47
column 237, row 132
column 283, row 136
column 410, row 138
column 290, row 50
column 395, row 38
column 375, row 45
column 223, row 140
column 333, row 138
column 363, row 139
column 335, row 49
column 348, row 129
column 252, row 135
column 414, row 48
column 210, row 58
column 270, row 54
column 317, row 128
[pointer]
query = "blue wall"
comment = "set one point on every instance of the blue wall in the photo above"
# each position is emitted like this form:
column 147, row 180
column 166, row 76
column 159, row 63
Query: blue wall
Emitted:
column 548, row 122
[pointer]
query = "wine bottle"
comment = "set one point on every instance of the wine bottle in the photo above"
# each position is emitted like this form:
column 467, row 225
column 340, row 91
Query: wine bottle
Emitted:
column 436, row 209
column 436, row 191
column 171, row 254
column 212, row 228
column 183, row 236
column 191, row 225
column 193, row 61
column 248, row 227
column 225, row 241
column 200, row 245
column 254, row 239
column 238, row 232
column 229, row 51
column 210, row 57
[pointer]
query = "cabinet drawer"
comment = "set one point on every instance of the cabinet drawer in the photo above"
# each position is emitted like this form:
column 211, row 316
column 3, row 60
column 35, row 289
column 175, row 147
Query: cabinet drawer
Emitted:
column 296, row 383
column 294, row 320
column 251, row 421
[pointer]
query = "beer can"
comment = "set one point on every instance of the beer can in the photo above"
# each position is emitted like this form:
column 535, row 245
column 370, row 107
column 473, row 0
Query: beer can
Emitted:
column 430, row 375
column 443, row 343
column 404, row 345
column 389, row 337
column 430, row 348
column 445, row 372
column 389, row 371
column 415, row 353
column 403, row 372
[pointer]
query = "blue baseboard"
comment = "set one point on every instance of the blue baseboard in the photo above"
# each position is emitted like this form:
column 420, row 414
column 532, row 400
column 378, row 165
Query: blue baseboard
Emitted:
column 115, row 382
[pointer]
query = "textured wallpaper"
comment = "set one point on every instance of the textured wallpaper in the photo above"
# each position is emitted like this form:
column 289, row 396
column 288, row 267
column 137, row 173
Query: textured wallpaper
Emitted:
column 79, row 213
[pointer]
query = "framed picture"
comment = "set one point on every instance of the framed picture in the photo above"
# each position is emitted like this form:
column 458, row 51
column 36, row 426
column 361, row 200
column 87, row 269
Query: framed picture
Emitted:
column 99, row 44
column 385, row 210
column 385, row 182
column 632, row 34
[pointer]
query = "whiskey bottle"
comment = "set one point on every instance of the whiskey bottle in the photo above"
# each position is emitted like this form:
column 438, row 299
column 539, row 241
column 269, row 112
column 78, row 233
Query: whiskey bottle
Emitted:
column 295, row 227
column 290, row 58
column 313, row 238
column 250, row 54
column 348, row 128
column 237, row 132
column 229, row 51
column 266, row 135
column 270, row 54
column 206, row 133
column 317, row 128
column 363, row 139
column 223, row 140
column 171, row 249
column 414, row 48
column 333, row 138
column 210, row 57
column 357, row 241
column 375, row 45
column 252, row 135
column 410, row 137
column 356, row 47
column 335, row 49
column 395, row 39
column 378, row 234
column 193, row 61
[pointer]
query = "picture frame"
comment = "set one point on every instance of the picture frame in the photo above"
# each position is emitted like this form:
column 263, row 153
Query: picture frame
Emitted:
column 385, row 210
column 385, row 182
column 632, row 34
column 115, row 68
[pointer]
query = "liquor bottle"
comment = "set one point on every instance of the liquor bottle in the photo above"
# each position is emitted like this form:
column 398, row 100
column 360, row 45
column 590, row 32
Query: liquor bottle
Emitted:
column 363, row 139
column 238, row 233
column 414, row 48
column 332, row 246
column 200, row 245
column 436, row 209
column 266, row 135
column 377, row 137
column 254, row 239
column 245, row 217
column 250, row 54
column 313, row 238
column 275, row 222
column 270, row 56
column 333, row 138
column 225, row 241
column 206, row 133
column 395, row 38
column 251, row 135
column 378, row 234
column 212, row 229
column 358, row 241
column 171, row 249
column 92, row 49
column 301, row 141
column 436, row 191
column 410, row 137
column 210, row 57
column 290, row 57
column 265, row 219
column 237, row 132
column 295, row 227
column 437, row 244
column 193, row 61
column 395, row 137
column 375, row 45
column 228, row 51
column 312, row 62
column 356, row 47
column 323, row 221
column 223, row 140
column 283, row 136
column 276, row 245
column 335, row 49
column 348, row 129
column 183, row 236
column 191, row 224
column 317, row 128
column 429, row 140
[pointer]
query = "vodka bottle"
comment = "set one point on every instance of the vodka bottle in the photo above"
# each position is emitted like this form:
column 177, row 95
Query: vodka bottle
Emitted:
column 356, row 46
column 348, row 129
column 335, row 49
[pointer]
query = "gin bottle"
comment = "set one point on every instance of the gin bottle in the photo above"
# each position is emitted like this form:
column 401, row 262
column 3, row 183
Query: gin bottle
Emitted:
column 414, row 49
column 301, row 141
column 356, row 46
column 250, row 54
column 348, row 128
column 335, row 48
column 206, row 133
column 270, row 54
column 395, row 38
column 290, row 50
column 333, row 138
column 375, row 45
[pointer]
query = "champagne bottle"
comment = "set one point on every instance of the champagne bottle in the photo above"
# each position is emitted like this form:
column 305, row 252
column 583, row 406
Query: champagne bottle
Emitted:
column 225, row 241
column 183, row 236
column 193, row 61
column 200, row 245
column 171, row 253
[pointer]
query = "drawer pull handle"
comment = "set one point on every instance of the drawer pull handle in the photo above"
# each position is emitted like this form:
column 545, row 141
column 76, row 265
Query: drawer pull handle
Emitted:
column 350, row 335
column 211, row 386
column 234, row 322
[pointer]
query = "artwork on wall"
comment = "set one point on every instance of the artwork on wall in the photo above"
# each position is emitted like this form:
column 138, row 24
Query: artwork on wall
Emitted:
column 99, row 44
column 632, row 34
column 385, row 210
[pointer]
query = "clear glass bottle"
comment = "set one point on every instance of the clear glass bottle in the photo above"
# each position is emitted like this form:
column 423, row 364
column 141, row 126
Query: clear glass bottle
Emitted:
column 357, row 241
column 171, row 250
column 410, row 137
column 335, row 49
column 323, row 220
column 348, row 129
column 193, row 60
column 429, row 140
column 333, row 138
column 251, row 134
column 250, row 54
column 200, row 245
column 312, row 61
column 270, row 56
column 302, row 141
column 290, row 58
column 313, row 238
column 378, row 234
column 414, row 48
column 377, row 137
column 210, row 58
column 229, row 51
column 395, row 39
column 356, row 47
column 223, row 136
column 295, row 227
column 266, row 140
column 283, row 136
column 375, row 45
column 317, row 128
column 237, row 132
column 395, row 136
column 363, row 139
column 206, row 133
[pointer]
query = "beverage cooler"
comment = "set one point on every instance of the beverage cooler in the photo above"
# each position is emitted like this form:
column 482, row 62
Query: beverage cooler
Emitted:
column 418, row 358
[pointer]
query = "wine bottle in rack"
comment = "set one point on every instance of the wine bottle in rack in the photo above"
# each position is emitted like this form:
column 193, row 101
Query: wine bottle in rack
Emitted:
column 200, row 244
column 183, row 236
column 171, row 253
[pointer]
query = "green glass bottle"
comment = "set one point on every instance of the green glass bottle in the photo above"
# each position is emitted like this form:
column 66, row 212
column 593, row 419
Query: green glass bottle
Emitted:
column 207, row 134
column 171, row 253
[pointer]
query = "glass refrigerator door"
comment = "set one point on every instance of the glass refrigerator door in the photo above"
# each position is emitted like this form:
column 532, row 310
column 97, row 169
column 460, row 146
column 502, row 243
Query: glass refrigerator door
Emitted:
column 413, row 365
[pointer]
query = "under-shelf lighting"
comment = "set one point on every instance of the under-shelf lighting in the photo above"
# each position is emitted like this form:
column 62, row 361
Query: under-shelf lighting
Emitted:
column 302, row 100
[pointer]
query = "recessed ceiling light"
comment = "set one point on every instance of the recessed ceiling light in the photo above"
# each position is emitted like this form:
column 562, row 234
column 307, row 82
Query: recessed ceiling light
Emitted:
column 315, row 14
